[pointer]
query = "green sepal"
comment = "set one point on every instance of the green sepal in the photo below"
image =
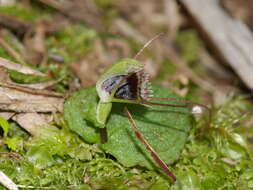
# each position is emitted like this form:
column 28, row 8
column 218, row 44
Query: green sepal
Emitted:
column 103, row 111
column 122, row 67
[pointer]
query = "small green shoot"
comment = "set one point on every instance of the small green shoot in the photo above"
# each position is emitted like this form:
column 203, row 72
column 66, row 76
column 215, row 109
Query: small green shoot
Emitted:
column 4, row 125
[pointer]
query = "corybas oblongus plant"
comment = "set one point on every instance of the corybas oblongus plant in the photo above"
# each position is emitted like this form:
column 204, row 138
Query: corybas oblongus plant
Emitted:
column 125, row 81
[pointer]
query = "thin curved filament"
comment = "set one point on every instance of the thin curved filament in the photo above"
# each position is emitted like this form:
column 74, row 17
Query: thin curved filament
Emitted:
column 153, row 153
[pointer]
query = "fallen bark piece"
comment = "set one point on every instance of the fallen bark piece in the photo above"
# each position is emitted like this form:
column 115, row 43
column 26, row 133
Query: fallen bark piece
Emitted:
column 18, row 101
column 42, row 86
column 32, row 121
column 241, row 10
column 6, row 115
column 231, row 38
column 18, row 67
column 16, row 98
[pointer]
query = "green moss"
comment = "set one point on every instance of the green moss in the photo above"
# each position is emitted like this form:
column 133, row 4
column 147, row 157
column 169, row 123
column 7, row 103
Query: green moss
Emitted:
column 166, row 69
column 22, row 12
column 215, row 157
column 5, row 55
column 57, row 158
column 57, row 72
column 105, row 4
column 189, row 44
column 72, row 42
column 26, row 78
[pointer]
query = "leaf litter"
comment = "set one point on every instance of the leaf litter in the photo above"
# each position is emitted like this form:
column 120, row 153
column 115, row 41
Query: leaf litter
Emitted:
column 65, row 152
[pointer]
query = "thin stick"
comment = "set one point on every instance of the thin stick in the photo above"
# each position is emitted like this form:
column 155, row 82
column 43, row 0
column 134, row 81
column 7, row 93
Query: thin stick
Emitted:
column 15, row 24
column 148, row 43
column 153, row 153
column 11, row 51
column 11, row 154
column 18, row 67
column 32, row 91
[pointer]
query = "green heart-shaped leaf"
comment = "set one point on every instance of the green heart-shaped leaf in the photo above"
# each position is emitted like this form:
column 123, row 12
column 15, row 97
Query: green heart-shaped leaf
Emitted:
column 80, row 114
column 165, row 128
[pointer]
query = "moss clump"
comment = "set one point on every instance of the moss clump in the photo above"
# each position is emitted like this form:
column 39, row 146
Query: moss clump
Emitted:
column 72, row 43
column 25, row 13
column 189, row 45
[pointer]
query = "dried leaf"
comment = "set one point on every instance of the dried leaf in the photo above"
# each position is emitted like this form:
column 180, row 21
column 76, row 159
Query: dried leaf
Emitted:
column 6, row 115
column 241, row 10
column 17, row 101
column 15, row 97
column 32, row 121
column 35, row 47
column 17, row 67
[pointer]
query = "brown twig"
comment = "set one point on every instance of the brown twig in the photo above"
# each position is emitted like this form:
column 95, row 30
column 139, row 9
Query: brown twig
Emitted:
column 32, row 91
column 15, row 24
column 39, row 86
column 11, row 51
column 11, row 154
